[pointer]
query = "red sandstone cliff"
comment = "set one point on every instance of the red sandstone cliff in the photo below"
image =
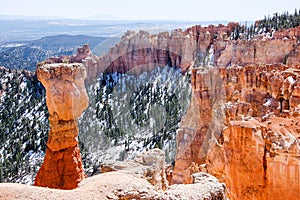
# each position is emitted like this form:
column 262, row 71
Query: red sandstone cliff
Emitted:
column 66, row 98
column 143, row 50
column 138, row 51
column 260, row 154
column 256, row 151
column 261, row 49
column 181, row 48
column 242, row 122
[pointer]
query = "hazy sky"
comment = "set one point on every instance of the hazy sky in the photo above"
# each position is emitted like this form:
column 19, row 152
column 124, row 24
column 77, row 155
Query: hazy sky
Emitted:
column 199, row 10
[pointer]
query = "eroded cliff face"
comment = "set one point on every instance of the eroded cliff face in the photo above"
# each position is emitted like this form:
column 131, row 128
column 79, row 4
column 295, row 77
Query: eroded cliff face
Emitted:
column 282, row 47
column 202, row 122
column 66, row 99
column 242, row 121
column 256, row 151
column 258, row 160
column 138, row 51
column 189, row 48
column 185, row 49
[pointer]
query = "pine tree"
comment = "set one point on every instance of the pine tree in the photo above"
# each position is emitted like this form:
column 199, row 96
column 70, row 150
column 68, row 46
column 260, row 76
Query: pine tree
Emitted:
column 1, row 173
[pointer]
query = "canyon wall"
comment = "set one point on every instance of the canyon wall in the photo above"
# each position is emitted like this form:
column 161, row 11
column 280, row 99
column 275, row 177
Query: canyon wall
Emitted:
column 260, row 142
column 66, row 99
column 256, row 149
column 138, row 50
column 185, row 49
column 242, row 122
column 282, row 47
column 196, row 46
column 202, row 122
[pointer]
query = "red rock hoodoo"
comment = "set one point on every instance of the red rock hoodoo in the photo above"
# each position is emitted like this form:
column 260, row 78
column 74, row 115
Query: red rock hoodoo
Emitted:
column 66, row 99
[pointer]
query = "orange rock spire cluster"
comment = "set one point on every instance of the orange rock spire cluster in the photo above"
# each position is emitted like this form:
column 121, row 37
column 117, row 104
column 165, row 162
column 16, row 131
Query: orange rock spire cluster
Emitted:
column 248, row 138
column 66, row 99
column 242, row 124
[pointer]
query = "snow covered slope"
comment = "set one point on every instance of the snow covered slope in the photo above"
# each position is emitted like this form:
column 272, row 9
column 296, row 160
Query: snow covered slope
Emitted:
column 127, row 113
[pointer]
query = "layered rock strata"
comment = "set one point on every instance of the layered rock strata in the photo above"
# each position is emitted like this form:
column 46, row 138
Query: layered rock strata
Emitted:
column 256, row 151
column 195, row 46
column 202, row 122
column 220, row 97
column 258, row 160
column 141, row 49
column 138, row 51
column 66, row 99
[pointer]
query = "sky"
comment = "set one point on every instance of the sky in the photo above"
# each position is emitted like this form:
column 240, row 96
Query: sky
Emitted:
column 189, row 10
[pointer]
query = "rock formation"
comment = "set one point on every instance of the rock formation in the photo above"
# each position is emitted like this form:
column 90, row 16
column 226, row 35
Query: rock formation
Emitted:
column 203, row 121
column 261, row 49
column 66, row 99
column 242, row 122
column 138, row 51
column 118, row 185
column 256, row 150
column 258, row 160
column 149, row 165
column 125, row 184
column 253, row 52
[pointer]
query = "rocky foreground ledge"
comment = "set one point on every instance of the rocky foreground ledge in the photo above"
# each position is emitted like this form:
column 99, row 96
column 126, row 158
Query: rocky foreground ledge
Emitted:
column 140, row 181
column 116, row 185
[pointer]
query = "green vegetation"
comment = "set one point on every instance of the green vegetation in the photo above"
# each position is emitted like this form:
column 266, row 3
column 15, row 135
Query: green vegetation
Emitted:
column 267, row 25
column 23, row 123
column 29, row 53
column 128, row 114
column 279, row 21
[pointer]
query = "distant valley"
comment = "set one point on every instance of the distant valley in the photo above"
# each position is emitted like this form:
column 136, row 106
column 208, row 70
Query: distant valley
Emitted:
column 26, row 54
column 24, row 42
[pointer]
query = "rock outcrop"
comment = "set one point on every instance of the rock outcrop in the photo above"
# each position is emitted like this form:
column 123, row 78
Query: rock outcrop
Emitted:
column 261, row 49
column 66, row 99
column 139, row 51
column 255, row 150
column 258, row 160
column 235, row 111
column 149, row 165
column 118, row 185
column 138, row 179
column 243, row 52
column 202, row 122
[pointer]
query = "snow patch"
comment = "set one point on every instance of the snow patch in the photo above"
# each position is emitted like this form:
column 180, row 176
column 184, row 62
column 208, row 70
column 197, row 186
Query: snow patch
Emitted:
column 10, row 45
column 268, row 102
column 291, row 80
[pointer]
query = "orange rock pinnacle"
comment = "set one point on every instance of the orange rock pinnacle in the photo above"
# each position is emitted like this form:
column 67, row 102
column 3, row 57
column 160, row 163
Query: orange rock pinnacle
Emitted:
column 66, row 99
